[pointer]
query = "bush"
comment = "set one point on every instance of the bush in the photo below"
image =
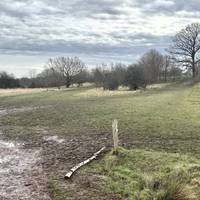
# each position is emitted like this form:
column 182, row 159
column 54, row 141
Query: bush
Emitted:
column 110, row 81
column 135, row 77
column 98, row 76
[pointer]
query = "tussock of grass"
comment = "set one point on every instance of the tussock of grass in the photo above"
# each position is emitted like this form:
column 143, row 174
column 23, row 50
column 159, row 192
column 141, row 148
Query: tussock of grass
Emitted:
column 150, row 175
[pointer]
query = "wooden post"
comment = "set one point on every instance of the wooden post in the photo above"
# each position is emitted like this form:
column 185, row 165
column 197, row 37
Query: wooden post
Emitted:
column 115, row 135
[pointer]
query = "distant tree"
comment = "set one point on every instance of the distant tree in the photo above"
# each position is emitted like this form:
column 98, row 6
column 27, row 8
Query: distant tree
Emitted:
column 186, row 47
column 32, row 73
column 8, row 81
column 33, row 84
column 135, row 77
column 110, row 81
column 82, row 77
column 152, row 63
column 175, row 72
column 119, row 71
column 166, row 65
column 25, row 82
column 67, row 67
column 50, row 78
column 98, row 76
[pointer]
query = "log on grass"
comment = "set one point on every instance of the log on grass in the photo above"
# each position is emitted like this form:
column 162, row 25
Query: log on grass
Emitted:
column 75, row 168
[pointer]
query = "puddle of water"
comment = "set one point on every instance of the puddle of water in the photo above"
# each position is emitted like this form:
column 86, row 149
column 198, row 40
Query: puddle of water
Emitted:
column 4, row 144
column 54, row 138
column 17, row 167
column 21, row 177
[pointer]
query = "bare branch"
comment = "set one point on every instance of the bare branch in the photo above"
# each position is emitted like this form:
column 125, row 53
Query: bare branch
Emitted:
column 186, row 46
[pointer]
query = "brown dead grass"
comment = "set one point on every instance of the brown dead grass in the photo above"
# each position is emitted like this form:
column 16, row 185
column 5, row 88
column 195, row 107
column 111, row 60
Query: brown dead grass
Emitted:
column 10, row 92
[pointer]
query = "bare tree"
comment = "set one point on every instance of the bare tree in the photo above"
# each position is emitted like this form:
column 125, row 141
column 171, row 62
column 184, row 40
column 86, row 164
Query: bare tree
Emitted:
column 51, row 78
column 67, row 67
column 32, row 73
column 135, row 77
column 186, row 47
column 152, row 62
column 166, row 65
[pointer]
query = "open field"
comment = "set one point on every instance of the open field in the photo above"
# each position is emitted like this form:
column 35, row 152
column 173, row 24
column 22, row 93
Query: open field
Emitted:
column 68, row 126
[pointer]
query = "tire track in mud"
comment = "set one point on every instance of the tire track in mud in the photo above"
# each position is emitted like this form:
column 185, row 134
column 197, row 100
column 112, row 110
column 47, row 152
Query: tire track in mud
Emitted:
column 21, row 175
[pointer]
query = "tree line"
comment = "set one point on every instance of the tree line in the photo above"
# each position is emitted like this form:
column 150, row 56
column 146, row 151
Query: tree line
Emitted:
column 182, row 60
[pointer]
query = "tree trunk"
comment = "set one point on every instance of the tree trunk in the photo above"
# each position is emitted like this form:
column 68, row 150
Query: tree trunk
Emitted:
column 165, row 75
column 68, row 83
column 193, row 69
column 193, row 65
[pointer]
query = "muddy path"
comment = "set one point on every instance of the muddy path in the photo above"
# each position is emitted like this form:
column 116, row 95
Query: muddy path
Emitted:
column 26, row 165
column 21, row 173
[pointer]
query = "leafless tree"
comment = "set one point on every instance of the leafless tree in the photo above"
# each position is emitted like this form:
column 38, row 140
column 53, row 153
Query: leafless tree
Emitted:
column 152, row 62
column 186, row 47
column 67, row 67
column 32, row 73
column 167, row 61
column 50, row 78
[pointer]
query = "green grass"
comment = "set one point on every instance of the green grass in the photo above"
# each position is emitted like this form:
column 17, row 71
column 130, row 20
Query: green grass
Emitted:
column 146, row 175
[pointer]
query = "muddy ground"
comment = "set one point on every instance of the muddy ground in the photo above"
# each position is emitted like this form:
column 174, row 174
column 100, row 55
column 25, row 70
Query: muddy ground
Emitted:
column 28, row 162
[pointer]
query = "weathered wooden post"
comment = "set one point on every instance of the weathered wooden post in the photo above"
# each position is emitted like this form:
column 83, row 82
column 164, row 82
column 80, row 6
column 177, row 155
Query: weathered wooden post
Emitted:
column 115, row 135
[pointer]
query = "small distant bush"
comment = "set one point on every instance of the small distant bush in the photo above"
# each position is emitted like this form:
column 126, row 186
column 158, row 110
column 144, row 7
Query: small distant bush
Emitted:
column 135, row 77
column 110, row 81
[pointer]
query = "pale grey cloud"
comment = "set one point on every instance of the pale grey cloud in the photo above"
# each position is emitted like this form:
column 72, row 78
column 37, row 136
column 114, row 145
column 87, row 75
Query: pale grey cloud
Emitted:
column 97, row 31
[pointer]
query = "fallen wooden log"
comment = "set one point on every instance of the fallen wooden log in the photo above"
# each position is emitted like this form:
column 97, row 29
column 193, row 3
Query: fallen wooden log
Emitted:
column 75, row 168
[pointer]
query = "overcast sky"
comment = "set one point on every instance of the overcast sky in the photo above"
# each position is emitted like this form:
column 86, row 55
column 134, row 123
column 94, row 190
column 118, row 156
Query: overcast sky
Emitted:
column 97, row 31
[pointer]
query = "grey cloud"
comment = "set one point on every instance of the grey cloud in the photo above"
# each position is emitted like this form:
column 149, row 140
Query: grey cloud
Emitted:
column 25, row 8
column 168, row 6
column 106, row 28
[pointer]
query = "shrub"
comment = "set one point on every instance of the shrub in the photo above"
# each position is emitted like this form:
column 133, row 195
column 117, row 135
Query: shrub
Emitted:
column 175, row 191
column 166, row 188
column 110, row 81
column 135, row 77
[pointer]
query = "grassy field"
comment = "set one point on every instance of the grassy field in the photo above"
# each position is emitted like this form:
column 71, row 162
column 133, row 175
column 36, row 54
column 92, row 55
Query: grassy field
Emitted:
column 161, row 123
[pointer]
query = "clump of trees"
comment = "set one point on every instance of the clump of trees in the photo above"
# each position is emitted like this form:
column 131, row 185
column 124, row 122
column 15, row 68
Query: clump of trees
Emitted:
column 8, row 81
column 109, row 77
column 153, row 67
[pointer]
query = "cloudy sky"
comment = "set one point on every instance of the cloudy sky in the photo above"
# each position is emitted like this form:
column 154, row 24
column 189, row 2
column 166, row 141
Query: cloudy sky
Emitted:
column 95, row 30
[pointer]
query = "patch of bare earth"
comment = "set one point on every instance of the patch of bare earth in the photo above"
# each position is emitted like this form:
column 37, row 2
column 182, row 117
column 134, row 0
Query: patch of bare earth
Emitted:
column 4, row 111
column 60, row 156
column 21, row 174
